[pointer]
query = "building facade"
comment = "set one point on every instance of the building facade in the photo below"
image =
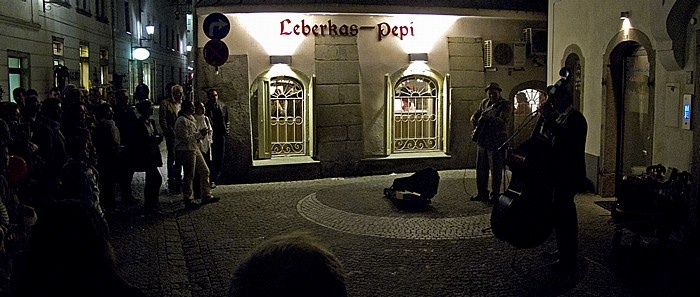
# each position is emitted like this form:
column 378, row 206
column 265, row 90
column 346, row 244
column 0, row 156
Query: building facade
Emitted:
column 636, row 66
column 52, row 43
column 342, row 90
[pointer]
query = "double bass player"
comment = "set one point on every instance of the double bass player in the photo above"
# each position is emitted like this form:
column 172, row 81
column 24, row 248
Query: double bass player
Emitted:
column 566, row 129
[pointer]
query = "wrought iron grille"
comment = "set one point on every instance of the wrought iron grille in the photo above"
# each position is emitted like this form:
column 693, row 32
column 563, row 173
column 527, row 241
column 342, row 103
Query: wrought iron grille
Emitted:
column 287, row 109
column 416, row 114
column 533, row 97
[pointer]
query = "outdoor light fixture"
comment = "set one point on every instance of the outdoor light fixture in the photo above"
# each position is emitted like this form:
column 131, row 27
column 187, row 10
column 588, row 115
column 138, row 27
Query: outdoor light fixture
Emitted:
column 140, row 53
column 287, row 60
column 624, row 15
column 423, row 57
column 150, row 29
column 188, row 47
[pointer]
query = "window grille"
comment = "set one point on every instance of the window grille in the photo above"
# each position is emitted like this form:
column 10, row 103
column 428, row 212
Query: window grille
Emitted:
column 287, row 120
column 533, row 97
column 416, row 114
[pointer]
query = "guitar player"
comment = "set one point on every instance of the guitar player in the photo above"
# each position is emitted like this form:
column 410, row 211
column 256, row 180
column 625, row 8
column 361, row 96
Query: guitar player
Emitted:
column 491, row 122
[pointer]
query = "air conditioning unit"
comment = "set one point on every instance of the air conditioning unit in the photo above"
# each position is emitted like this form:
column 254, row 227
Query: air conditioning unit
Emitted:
column 504, row 53
column 536, row 41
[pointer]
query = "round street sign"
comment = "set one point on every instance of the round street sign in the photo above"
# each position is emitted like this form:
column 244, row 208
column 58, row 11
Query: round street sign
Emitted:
column 215, row 52
column 216, row 26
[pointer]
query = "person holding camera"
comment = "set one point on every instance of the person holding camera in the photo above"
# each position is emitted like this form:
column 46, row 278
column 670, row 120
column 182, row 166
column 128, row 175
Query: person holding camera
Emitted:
column 491, row 123
column 187, row 139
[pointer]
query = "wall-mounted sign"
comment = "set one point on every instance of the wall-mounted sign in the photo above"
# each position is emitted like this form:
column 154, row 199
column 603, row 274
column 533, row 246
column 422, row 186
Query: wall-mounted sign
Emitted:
column 215, row 52
column 332, row 29
column 216, row 26
column 140, row 53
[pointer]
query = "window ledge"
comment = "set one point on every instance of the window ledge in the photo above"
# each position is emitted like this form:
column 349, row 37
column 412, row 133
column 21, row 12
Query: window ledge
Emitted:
column 102, row 19
column 396, row 156
column 285, row 161
column 83, row 12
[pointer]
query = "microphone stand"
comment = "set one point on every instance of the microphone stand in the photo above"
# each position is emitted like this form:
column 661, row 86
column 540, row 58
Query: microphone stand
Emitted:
column 520, row 129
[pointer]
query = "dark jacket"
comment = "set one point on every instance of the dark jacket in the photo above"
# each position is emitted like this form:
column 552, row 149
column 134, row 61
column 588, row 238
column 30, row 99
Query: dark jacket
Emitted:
column 145, row 150
column 218, row 114
column 495, row 119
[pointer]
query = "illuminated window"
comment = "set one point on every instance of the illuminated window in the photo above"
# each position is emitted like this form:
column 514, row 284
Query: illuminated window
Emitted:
column 287, row 117
column 84, row 50
column 280, row 106
column 527, row 101
column 417, row 116
column 104, row 66
column 85, row 66
column 57, row 46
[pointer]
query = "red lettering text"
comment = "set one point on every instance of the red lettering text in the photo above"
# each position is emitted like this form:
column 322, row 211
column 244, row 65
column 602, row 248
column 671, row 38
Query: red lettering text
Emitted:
column 282, row 32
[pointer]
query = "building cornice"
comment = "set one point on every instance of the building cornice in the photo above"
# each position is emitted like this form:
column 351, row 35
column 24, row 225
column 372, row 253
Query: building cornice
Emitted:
column 19, row 23
column 376, row 9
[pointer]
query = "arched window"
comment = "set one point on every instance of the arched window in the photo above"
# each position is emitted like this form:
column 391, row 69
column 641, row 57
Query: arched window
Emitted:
column 416, row 114
column 527, row 101
column 280, row 102
column 287, row 116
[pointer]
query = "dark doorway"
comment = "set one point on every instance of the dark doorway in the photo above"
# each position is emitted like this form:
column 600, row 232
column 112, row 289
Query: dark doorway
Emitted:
column 630, row 68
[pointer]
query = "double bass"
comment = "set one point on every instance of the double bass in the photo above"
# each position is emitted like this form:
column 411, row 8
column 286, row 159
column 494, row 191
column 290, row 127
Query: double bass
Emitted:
column 522, row 215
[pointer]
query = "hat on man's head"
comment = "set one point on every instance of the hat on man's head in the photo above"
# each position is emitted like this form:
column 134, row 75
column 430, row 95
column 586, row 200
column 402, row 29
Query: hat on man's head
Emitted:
column 493, row 85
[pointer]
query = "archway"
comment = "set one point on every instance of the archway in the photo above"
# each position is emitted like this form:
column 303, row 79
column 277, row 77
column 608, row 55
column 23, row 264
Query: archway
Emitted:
column 627, row 109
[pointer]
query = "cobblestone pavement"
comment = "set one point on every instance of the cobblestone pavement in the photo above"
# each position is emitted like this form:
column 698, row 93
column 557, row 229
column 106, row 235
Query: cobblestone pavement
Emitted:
column 443, row 249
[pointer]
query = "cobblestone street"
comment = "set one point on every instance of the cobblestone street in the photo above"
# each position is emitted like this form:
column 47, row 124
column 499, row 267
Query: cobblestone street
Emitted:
column 441, row 250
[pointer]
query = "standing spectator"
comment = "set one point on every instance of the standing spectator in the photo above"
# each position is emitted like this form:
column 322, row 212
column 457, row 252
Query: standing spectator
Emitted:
column 168, row 93
column 168, row 114
column 490, row 131
column 107, row 141
column 69, row 254
column 141, row 92
column 94, row 100
column 203, row 123
column 50, row 148
column 522, row 107
column 55, row 92
column 289, row 265
column 146, row 154
column 124, row 118
column 80, row 180
column 187, row 139
column 218, row 114
column 18, row 96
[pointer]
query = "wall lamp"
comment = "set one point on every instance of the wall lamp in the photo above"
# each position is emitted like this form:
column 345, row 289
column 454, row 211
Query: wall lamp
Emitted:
column 287, row 60
column 150, row 29
column 423, row 57
column 624, row 15
column 188, row 47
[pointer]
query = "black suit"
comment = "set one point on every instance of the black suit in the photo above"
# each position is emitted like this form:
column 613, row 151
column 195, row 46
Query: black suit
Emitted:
column 218, row 114
column 568, row 136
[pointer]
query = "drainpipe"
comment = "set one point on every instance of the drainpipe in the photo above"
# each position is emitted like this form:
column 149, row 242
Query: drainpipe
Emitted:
column 195, row 48
column 113, row 54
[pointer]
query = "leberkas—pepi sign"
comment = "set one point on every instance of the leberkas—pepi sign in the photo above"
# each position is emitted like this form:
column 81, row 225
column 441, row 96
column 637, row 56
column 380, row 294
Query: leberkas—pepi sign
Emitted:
column 331, row 29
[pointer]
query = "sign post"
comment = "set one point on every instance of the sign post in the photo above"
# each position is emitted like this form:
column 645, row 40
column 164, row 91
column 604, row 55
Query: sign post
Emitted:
column 216, row 26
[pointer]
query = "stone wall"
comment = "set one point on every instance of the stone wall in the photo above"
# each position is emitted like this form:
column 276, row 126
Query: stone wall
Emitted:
column 337, row 108
column 232, row 83
column 467, row 79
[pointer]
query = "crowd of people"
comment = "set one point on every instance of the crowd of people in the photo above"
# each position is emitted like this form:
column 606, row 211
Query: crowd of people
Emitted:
column 79, row 147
